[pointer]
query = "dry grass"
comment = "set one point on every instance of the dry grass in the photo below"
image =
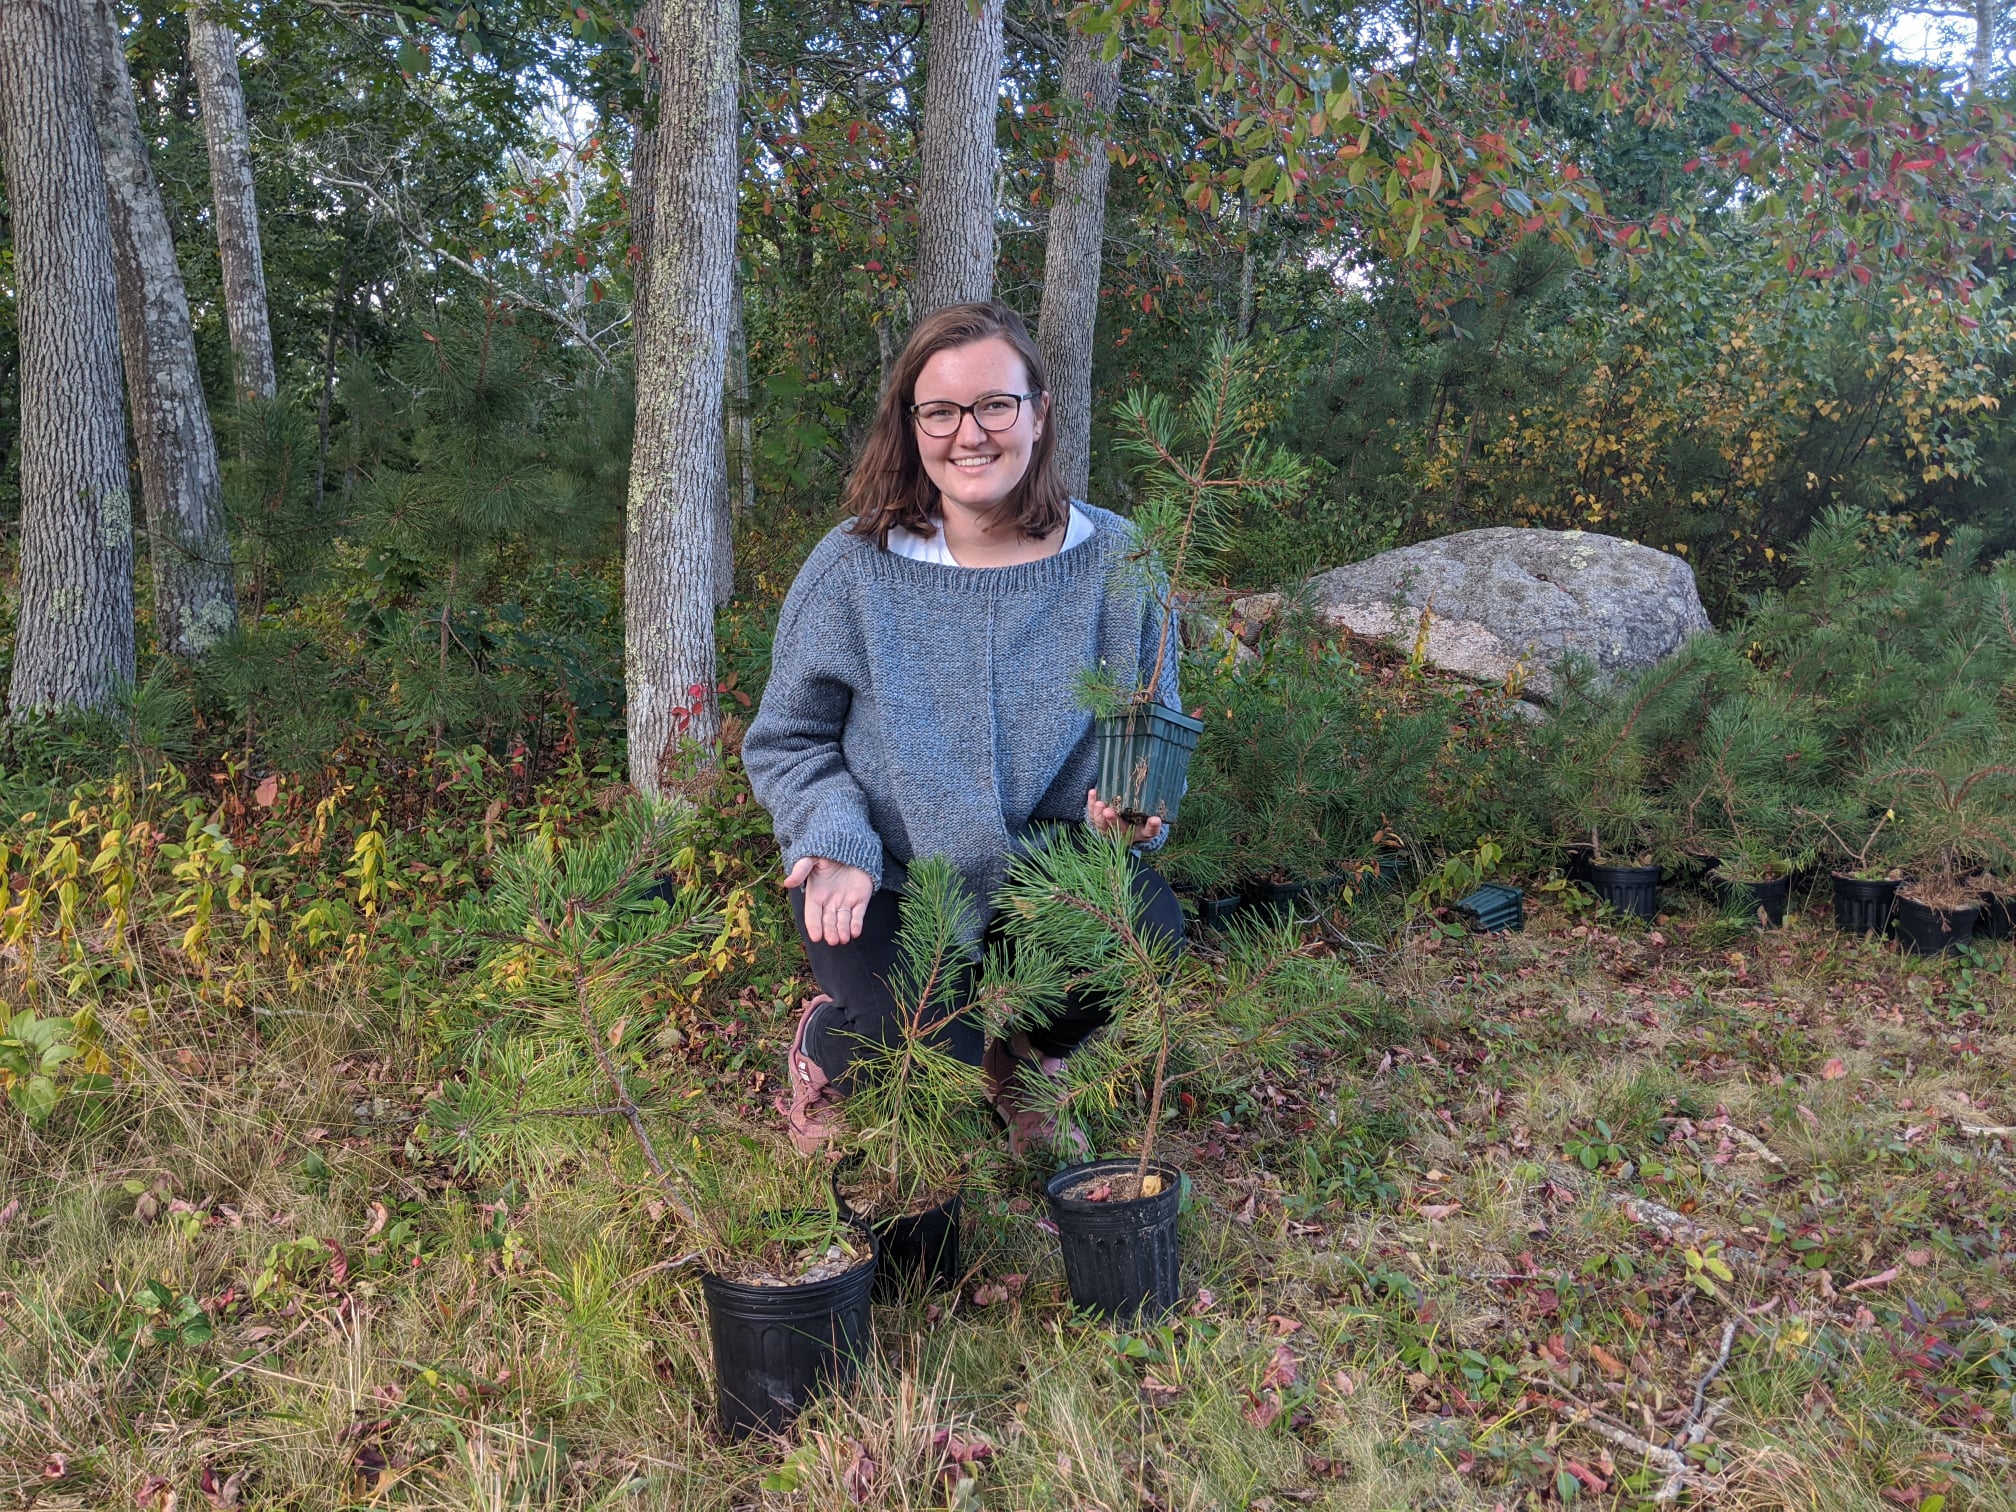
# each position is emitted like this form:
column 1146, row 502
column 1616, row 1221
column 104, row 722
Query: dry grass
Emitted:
column 1447, row 1324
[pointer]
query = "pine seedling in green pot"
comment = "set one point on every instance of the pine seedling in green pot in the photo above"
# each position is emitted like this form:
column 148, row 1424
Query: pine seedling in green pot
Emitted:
column 1197, row 467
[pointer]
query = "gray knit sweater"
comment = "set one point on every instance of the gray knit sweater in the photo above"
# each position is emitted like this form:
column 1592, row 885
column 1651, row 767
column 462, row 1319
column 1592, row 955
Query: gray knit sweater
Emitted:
column 919, row 710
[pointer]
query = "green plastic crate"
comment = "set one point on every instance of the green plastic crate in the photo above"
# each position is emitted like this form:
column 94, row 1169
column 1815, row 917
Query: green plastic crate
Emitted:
column 1493, row 908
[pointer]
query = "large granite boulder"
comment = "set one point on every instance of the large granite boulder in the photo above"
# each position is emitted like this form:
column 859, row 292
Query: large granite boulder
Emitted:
column 1506, row 598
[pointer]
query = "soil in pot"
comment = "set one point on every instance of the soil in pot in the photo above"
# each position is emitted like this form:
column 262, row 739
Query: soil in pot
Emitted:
column 1863, row 906
column 776, row 1343
column 1120, row 1247
column 1628, row 889
column 1934, row 920
column 1750, row 897
column 1144, row 760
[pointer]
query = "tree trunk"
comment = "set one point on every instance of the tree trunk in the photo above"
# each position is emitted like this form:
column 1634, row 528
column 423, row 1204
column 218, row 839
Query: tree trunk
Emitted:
column 741, row 417
column 74, row 645
column 195, row 604
column 1070, row 312
column 213, row 56
column 1982, row 57
column 957, row 160
column 676, row 483
column 1249, row 220
column 738, row 481
column 645, row 158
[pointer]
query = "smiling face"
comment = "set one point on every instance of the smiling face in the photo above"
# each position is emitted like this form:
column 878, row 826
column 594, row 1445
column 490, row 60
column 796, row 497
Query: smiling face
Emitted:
column 977, row 469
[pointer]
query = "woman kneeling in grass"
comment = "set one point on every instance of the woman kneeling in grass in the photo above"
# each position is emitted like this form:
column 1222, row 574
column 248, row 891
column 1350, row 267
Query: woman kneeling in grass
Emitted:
column 923, row 700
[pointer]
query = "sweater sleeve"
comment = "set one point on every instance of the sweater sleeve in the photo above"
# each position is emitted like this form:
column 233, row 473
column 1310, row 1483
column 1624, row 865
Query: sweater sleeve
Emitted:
column 792, row 749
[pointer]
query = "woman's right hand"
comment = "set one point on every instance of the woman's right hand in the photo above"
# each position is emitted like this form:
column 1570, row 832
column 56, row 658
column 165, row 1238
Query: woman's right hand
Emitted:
column 836, row 898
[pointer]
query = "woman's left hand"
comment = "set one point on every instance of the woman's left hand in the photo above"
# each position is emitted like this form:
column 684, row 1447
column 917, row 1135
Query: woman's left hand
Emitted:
column 1106, row 819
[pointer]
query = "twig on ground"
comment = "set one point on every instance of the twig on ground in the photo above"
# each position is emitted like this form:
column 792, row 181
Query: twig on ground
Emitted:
column 1701, row 1387
column 1680, row 1476
column 250, row 1360
column 1753, row 1144
column 1989, row 1131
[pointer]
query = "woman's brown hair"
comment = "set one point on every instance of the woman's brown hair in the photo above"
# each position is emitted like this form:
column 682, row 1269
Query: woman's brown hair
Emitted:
column 889, row 486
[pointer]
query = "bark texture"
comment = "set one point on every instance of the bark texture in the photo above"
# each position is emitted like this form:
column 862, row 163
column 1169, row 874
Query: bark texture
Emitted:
column 645, row 158
column 1981, row 58
column 738, row 480
column 195, row 605
column 1070, row 314
column 74, row 646
column 676, row 470
column 957, row 160
column 213, row 56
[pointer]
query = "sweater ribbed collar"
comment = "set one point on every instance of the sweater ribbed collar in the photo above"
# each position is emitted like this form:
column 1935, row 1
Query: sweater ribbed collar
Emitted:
column 1092, row 558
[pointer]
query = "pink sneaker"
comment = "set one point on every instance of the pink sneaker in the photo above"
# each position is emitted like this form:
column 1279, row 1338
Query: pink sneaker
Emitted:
column 1016, row 1076
column 810, row 1105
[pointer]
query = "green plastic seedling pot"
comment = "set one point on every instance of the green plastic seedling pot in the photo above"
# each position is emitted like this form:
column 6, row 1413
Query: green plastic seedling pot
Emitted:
column 1144, row 760
column 1494, row 908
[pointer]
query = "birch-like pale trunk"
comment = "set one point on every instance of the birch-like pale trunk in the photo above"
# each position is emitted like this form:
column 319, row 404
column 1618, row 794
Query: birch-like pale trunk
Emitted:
column 195, row 603
column 1071, row 259
column 676, row 483
column 213, row 57
column 957, row 160
column 74, row 644
column 1981, row 57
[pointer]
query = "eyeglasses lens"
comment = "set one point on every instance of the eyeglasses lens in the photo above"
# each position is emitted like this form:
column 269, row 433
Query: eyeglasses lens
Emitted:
column 997, row 412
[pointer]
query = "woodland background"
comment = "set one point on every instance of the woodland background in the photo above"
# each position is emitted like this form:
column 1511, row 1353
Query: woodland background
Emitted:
column 573, row 316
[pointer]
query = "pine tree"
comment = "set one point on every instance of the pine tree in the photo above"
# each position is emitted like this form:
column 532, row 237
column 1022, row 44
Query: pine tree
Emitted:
column 916, row 1115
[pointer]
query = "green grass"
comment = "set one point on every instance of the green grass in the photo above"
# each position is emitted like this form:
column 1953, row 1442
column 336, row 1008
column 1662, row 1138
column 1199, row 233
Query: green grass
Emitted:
column 1425, row 1289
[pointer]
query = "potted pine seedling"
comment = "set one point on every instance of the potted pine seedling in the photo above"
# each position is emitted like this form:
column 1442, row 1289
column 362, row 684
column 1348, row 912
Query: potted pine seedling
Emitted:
column 1865, row 878
column 1954, row 807
column 575, row 942
column 1075, row 933
column 1598, row 751
column 915, row 1113
column 787, row 1275
column 1075, row 927
column 1744, row 795
column 1199, row 467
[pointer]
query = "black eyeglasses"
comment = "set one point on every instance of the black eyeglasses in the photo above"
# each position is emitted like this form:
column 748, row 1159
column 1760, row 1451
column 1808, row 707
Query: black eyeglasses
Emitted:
column 991, row 412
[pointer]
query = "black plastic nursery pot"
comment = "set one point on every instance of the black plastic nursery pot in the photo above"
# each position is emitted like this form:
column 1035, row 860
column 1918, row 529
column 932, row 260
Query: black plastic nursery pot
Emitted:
column 774, row 1346
column 919, row 1253
column 1926, row 930
column 1280, row 900
column 1628, row 889
column 1861, row 907
column 1995, row 921
column 1144, row 760
column 1120, row 1257
column 1770, row 896
column 1216, row 913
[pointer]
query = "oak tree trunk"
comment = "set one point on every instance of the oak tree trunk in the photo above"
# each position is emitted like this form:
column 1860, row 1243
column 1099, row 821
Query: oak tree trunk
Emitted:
column 957, row 160
column 194, row 602
column 676, row 483
column 1071, row 258
column 74, row 644
column 213, row 56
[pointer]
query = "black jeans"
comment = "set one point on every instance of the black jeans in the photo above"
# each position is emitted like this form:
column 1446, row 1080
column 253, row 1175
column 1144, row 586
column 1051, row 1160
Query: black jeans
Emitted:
column 856, row 976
